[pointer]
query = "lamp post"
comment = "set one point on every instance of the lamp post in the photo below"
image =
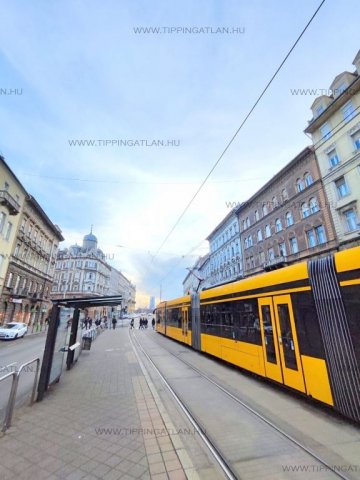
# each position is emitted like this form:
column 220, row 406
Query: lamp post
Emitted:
column 191, row 270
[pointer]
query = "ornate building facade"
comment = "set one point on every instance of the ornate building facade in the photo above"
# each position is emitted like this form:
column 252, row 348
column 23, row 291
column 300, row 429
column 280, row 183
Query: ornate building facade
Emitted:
column 225, row 261
column 82, row 271
column 29, row 277
column 335, row 130
column 288, row 219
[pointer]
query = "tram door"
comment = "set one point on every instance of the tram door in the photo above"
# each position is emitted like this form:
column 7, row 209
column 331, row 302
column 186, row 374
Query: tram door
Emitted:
column 185, row 323
column 281, row 349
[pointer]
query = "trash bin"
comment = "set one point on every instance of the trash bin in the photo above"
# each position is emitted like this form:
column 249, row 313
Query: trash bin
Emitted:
column 86, row 343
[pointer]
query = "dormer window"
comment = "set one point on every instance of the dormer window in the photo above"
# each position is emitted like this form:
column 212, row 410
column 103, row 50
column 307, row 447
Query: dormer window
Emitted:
column 339, row 89
column 319, row 110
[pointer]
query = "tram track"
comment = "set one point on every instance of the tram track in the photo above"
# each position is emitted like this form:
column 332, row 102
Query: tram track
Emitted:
column 219, row 456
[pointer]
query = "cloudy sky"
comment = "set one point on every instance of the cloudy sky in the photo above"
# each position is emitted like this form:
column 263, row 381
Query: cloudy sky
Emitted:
column 82, row 72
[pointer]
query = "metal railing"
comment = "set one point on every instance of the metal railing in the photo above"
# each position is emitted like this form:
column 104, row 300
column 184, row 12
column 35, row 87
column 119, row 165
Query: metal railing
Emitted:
column 14, row 386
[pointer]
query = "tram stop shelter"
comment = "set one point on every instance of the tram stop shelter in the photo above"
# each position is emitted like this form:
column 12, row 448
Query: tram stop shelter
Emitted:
column 65, row 337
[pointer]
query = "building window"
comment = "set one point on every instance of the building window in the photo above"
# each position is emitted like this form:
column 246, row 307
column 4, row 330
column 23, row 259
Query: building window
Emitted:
column 289, row 219
column 274, row 202
column 305, row 210
column 325, row 131
column 341, row 187
column 313, row 205
column 262, row 257
column 267, row 231
column 320, row 234
column 300, row 185
column 356, row 140
column 247, row 222
column 17, row 250
column 259, row 236
column 264, row 209
column 319, row 111
column 293, row 245
column 257, row 216
column 250, row 242
column 9, row 280
column 351, row 220
column 348, row 111
column 282, row 249
column 308, row 179
column 278, row 225
column 311, row 238
column 8, row 230
column 333, row 158
column 284, row 195
column 271, row 254
column 2, row 221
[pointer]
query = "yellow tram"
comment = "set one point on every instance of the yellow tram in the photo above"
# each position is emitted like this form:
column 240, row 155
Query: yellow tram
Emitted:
column 298, row 326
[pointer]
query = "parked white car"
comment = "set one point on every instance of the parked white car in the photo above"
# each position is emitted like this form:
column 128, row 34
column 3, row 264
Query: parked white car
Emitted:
column 13, row 330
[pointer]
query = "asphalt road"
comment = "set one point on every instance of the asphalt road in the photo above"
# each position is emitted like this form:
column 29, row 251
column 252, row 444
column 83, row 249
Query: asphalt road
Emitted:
column 13, row 354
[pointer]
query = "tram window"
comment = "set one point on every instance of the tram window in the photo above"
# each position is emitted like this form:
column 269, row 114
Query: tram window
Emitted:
column 287, row 336
column 174, row 317
column 247, row 324
column 352, row 306
column 307, row 325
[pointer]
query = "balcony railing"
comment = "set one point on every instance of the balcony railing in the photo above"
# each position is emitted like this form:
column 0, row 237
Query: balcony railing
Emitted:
column 10, row 203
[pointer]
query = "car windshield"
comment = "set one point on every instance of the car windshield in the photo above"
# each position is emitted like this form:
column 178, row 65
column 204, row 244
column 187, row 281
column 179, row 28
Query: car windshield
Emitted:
column 11, row 325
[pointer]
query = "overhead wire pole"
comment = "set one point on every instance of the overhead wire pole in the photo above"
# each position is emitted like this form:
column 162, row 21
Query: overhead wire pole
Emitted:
column 238, row 130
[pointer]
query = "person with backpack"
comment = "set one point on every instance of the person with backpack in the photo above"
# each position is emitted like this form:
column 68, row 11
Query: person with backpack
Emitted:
column 114, row 323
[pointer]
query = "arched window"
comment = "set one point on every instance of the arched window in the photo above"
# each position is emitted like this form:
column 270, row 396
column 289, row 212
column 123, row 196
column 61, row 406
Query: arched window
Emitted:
column 308, row 179
column 250, row 242
column 284, row 195
column 274, row 202
column 278, row 225
column 247, row 222
column 267, row 231
column 289, row 219
column 257, row 216
column 244, row 225
column 265, row 209
column 300, row 185
column 259, row 236
column 305, row 210
column 313, row 205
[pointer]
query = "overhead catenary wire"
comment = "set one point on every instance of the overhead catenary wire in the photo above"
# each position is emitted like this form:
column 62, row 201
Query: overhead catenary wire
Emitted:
column 238, row 130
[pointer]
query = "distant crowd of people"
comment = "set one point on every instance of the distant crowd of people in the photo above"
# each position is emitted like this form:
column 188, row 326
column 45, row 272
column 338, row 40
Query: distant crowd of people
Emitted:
column 143, row 323
column 105, row 322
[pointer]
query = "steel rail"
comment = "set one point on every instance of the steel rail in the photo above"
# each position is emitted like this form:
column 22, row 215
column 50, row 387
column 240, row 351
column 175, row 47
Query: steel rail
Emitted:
column 205, row 438
column 259, row 415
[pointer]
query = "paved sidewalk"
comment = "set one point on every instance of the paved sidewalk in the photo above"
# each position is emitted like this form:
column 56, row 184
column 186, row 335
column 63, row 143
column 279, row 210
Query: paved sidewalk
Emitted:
column 102, row 421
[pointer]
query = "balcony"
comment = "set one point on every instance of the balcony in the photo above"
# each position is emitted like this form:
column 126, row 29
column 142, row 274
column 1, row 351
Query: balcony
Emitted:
column 9, row 202
column 275, row 263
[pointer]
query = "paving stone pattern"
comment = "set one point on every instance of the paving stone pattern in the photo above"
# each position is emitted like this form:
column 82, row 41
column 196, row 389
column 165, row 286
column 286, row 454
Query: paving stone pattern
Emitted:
column 100, row 422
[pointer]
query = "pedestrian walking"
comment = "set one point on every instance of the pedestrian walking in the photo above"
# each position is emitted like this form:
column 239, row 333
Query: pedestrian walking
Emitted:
column 86, row 321
column 90, row 322
column 132, row 324
column 114, row 323
column 153, row 323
